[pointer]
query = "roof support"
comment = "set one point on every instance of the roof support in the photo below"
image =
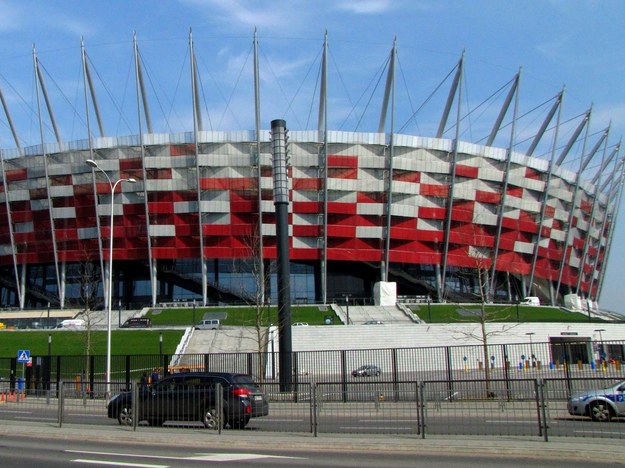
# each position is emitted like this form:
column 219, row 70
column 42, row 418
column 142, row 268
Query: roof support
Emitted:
column 141, row 96
column 585, row 121
column 323, row 165
column 44, row 155
column 89, row 84
column 389, row 187
column 504, row 110
column 450, row 99
column 452, row 169
column 545, row 194
column 10, row 122
column 504, row 190
column 260, row 257
column 568, row 226
column 580, row 275
column 42, row 85
column 141, row 85
column 556, row 106
column 611, row 225
column 388, row 89
column 605, row 164
column 602, row 233
column 14, row 249
column 197, row 127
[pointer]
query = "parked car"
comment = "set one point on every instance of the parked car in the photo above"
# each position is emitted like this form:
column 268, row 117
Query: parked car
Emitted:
column 191, row 396
column 72, row 324
column 137, row 322
column 300, row 324
column 373, row 322
column 599, row 404
column 212, row 324
column 368, row 370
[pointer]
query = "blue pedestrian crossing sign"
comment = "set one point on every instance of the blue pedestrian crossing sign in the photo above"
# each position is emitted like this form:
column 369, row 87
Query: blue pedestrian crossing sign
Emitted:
column 23, row 355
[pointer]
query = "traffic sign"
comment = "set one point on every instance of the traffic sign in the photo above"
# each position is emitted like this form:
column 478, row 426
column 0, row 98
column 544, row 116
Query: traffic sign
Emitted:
column 23, row 355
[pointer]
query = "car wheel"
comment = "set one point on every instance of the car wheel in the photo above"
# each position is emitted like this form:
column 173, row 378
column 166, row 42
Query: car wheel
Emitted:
column 125, row 416
column 210, row 418
column 377, row 373
column 600, row 411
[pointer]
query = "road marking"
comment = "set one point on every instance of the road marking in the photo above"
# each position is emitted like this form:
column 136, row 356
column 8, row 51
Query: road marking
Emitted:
column 278, row 420
column 112, row 463
column 599, row 432
column 26, row 418
column 377, row 420
column 392, row 428
column 512, row 421
column 215, row 457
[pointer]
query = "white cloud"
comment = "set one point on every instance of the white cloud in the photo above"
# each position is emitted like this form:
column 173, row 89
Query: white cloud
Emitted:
column 365, row 7
column 245, row 13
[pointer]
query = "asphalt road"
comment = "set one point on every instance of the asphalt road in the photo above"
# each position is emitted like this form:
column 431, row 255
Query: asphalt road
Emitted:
column 24, row 450
column 514, row 419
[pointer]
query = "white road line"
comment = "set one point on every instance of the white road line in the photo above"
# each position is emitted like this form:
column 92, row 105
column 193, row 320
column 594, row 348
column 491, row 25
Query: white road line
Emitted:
column 112, row 463
column 214, row 457
column 599, row 432
column 391, row 428
column 26, row 418
column 394, row 420
column 516, row 421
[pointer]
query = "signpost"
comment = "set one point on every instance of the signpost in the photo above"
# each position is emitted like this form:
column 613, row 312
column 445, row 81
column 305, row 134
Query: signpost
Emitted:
column 23, row 356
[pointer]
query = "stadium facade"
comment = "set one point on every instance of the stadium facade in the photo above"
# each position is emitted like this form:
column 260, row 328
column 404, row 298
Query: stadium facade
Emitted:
column 441, row 217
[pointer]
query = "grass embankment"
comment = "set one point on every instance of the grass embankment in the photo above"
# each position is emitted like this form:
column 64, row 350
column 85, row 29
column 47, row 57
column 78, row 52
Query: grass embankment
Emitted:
column 458, row 313
column 240, row 316
column 73, row 343
column 141, row 341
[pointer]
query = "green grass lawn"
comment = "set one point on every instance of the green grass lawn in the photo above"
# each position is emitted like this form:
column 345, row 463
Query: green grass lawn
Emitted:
column 73, row 343
column 456, row 313
column 240, row 316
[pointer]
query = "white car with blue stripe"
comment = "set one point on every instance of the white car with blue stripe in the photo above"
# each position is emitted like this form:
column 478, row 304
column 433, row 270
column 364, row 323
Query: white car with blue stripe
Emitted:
column 601, row 404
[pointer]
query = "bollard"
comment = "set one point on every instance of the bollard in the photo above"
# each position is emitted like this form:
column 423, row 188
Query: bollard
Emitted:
column 580, row 366
column 593, row 366
column 551, row 365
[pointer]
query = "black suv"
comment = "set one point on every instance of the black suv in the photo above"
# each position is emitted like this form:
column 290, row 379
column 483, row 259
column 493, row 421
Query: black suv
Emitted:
column 191, row 396
column 137, row 322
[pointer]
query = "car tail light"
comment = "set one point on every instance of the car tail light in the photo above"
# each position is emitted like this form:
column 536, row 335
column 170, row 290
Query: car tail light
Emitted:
column 241, row 392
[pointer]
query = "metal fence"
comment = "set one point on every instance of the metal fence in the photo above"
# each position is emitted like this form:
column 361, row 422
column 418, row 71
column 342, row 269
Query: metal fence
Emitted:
column 567, row 358
column 528, row 407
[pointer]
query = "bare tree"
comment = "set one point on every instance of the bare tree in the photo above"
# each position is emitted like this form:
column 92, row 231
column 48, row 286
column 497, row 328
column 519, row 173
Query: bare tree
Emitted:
column 477, row 279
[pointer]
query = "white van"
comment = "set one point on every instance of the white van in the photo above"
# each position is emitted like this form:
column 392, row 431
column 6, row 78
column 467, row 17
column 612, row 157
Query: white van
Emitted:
column 211, row 324
column 531, row 300
column 72, row 324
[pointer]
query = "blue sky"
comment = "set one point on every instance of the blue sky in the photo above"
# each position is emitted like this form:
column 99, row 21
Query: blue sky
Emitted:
column 572, row 43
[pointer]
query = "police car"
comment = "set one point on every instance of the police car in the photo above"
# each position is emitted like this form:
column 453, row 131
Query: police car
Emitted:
column 601, row 404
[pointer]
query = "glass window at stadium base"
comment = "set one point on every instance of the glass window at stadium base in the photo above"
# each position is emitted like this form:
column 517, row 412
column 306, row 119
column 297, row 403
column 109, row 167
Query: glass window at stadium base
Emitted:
column 441, row 218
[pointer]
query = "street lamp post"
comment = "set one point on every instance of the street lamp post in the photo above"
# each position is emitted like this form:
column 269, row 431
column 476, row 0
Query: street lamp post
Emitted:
column 532, row 357
column 347, row 307
column 601, row 348
column 113, row 185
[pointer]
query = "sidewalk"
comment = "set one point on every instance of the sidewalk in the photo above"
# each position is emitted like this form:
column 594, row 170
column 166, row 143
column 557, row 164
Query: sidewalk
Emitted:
column 558, row 448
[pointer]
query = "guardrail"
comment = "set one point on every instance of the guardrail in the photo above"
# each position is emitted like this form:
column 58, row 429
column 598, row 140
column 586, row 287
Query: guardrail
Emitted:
column 534, row 408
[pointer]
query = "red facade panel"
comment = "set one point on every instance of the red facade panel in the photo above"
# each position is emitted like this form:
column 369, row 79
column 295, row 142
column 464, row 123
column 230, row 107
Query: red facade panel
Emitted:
column 432, row 190
column 335, row 160
column 463, row 170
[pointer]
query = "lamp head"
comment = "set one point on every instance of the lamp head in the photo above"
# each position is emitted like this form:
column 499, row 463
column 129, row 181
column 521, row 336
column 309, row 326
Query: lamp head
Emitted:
column 92, row 163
